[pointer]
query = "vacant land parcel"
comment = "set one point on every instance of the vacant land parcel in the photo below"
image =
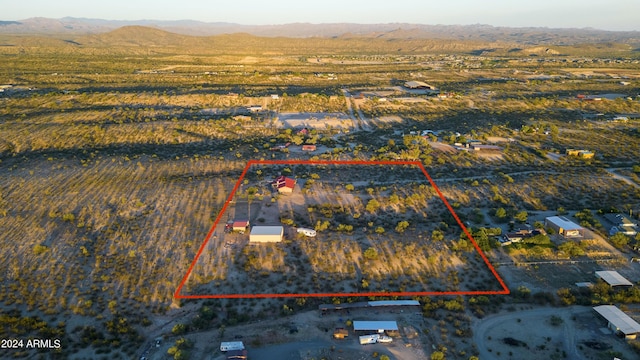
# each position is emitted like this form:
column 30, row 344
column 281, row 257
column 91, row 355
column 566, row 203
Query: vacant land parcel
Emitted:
column 383, row 229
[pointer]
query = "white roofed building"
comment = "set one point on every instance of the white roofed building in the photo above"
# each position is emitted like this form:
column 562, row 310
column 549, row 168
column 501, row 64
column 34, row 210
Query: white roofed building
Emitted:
column 375, row 326
column 564, row 227
column 619, row 321
column 613, row 278
column 266, row 234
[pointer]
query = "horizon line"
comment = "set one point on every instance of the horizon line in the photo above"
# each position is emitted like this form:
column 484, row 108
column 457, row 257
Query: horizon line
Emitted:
column 586, row 28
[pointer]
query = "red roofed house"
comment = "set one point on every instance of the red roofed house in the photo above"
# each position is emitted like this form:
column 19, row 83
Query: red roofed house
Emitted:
column 308, row 148
column 284, row 184
column 240, row 225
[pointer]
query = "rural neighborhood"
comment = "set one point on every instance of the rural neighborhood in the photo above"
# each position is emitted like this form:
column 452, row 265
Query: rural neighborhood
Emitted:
column 343, row 190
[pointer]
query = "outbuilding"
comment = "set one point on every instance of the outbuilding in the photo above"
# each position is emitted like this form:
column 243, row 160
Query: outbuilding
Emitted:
column 266, row 234
column 564, row 227
column 613, row 278
column 240, row 225
column 418, row 85
column 376, row 326
column 340, row 333
column 618, row 321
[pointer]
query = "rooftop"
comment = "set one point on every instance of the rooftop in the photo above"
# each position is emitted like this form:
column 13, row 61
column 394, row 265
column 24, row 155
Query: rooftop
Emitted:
column 267, row 230
column 620, row 220
column 613, row 278
column 619, row 319
column 375, row 325
column 564, row 223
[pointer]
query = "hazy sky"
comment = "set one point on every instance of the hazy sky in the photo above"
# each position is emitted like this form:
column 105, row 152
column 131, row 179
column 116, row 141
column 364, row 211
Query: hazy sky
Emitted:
column 601, row 14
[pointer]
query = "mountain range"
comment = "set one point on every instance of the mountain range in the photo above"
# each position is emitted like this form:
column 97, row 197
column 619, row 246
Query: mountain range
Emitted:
column 484, row 33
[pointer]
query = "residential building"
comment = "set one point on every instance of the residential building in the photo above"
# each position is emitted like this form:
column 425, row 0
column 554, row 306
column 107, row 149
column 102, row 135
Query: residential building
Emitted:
column 284, row 184
column 621, row 224
column 240, row 225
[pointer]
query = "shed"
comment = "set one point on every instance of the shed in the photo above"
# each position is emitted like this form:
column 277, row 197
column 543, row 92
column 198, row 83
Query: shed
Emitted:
column 613, row 278
column 564, row 226
column 377, row 326
column 340, row 333
column 481, row 147
column 619, row 321
column 240, row 225
column 284, row 184
column 265, row 234
column 418, row 85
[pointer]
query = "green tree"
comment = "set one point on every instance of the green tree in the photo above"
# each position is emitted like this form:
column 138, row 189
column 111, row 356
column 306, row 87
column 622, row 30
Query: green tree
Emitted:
column 571, row 248
column 349, row 187
column 619, row 240
column 521, row 216
column 437, row 355
column 402, row 226
column 371, row 254
column 501, row 214
column 179, row 329
column 364, row 283
column 437, row 235
column 40, row 249
column 181, row 355
column 372, row 206
column 566, row 297
column 379, row 230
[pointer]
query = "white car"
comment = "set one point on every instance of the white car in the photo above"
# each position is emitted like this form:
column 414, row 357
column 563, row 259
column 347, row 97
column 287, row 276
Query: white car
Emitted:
column 385, row 339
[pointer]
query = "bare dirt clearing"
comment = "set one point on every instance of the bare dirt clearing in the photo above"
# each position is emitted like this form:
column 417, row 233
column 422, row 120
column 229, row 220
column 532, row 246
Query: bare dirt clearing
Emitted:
column 546, row 333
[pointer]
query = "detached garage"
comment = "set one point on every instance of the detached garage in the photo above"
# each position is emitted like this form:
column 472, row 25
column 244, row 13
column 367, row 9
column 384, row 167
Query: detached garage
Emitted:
column 266, row 234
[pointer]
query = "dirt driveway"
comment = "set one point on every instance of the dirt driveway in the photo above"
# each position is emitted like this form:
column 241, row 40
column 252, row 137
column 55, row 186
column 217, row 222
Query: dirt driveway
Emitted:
column 545, row 333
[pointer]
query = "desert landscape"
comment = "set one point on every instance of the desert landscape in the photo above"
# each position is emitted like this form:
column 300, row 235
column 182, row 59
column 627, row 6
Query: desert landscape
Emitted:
column 167, row 188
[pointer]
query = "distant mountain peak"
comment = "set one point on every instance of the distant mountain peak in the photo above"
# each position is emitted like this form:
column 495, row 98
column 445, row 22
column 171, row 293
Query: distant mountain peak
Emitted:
column 482, row 32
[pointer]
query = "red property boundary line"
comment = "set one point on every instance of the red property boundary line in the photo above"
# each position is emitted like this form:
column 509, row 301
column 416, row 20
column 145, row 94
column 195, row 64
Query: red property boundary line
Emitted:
column 177, row 295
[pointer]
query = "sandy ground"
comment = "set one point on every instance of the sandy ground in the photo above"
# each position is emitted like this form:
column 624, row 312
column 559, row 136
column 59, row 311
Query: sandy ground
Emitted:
column 539, row 337
column 273, row 339
column 442, row 147
column 315, row 120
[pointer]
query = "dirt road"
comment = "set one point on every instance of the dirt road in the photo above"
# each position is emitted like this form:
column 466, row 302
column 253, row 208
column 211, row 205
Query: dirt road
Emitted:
column 483, row 328
column 622, row 178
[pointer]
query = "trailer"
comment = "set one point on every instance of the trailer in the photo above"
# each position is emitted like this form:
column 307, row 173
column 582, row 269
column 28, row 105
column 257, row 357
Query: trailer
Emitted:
column 385, row 339
column 306, row 232
column 369, row 339
column 231, row 345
